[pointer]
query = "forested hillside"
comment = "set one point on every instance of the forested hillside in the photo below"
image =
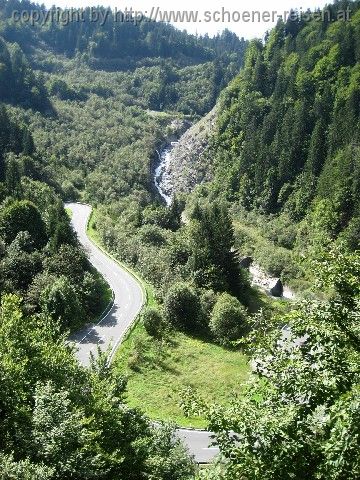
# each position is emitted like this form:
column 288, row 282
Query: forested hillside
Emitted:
column 100, row 136
column 124, row 45
column 58, row 420
column 18, row 82
column 116, row 35
column 41, row 260
column 86, row 106
column 85, row 109
column 287, row 159
column 289, row 133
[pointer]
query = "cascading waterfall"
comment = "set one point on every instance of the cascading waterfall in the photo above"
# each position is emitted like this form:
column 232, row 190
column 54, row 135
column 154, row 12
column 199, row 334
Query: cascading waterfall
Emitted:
column 162, row 178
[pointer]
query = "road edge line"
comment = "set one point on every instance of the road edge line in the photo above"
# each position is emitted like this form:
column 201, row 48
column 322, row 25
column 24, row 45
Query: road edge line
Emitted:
column 137, row 317
column 130, row 272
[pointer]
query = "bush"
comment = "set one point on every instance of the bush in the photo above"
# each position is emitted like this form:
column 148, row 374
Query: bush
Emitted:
column 69, row 261
column 60, row 300
column 182, row 306
column 228, row 319
column 91, row 291
column 38, row 285
column 69, row 191
column 274, row 260
column 22, row 243
column 19, row 268
column 351, row 235
column 139, row 353
column 153, row 322
column 208, row 300
column 152, row 235
column 22, row 216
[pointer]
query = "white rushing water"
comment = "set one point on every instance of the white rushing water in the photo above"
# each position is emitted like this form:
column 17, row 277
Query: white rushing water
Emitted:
column 162, row 176
column 263, row 280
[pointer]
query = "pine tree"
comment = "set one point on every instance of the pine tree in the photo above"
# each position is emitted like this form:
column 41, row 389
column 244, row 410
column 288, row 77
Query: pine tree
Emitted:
column 213, row 260
column 317, row 149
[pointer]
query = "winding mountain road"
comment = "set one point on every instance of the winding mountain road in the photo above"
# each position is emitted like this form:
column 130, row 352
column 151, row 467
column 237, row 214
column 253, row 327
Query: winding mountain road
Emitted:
column 110, row 330
column 128, row 294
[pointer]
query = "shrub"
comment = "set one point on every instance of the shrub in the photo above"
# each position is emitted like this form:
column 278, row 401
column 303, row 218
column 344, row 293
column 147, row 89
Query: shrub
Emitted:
column 182, row 306
column 228, row 319
column 69, row 191
column 60, row 300
column 152, row 235
column 38, row 285
column 19, row 268
column 351, row 235
column 89, row 291
column 274, row 260
column 139, row 352
column 208, row 300
column 69, row 261
column 22, row 216
column 154, row 322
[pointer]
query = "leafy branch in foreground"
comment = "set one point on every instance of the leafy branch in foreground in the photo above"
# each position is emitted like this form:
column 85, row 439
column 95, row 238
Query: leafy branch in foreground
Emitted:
column 301, row 409
column 61, row 420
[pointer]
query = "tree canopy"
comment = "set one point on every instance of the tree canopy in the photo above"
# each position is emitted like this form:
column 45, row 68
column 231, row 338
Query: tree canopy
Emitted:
column 284, row 141
column 301, row 408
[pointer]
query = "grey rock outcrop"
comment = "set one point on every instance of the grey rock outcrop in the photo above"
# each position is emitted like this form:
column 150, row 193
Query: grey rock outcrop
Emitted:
column 190, row 163
column 246, row 262
column 277, row 289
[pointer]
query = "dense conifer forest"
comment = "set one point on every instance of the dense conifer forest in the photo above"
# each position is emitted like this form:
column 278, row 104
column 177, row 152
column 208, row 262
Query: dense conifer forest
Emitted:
column 288, row 138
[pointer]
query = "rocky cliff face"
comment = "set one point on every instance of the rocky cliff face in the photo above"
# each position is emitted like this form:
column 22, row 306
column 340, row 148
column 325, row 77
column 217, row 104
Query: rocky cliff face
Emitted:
column 189, row 162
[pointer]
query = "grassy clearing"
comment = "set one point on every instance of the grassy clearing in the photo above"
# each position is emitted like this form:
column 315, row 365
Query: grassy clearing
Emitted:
column 164, row 370
column 161, row 370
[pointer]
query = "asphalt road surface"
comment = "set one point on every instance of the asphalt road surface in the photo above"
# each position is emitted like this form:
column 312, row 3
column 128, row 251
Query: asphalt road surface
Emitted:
column 128, row 295
column 110, row 330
